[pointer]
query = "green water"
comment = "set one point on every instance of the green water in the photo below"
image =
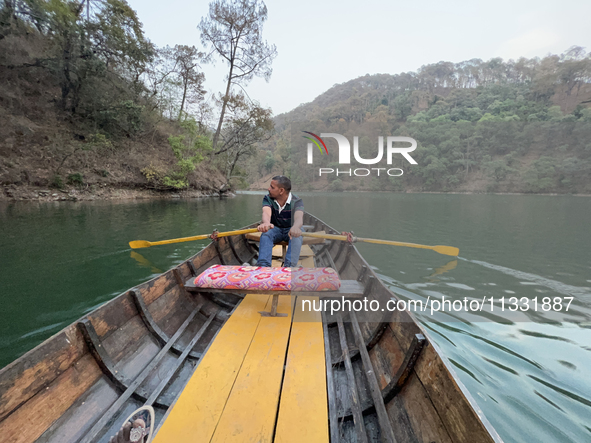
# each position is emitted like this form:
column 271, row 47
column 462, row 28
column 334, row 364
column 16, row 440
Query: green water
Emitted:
column 529, row 374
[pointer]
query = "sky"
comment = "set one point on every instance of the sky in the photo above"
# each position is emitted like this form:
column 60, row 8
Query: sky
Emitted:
column 323, row 43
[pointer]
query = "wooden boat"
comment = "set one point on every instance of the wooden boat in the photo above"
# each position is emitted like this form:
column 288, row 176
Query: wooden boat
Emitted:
column 385, row 380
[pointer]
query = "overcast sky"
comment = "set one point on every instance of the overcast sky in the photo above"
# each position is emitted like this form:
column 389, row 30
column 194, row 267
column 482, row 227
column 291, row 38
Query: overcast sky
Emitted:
column 321, row 43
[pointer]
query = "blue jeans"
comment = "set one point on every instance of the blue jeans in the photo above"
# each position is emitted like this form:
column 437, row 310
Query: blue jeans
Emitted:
column 276, row 235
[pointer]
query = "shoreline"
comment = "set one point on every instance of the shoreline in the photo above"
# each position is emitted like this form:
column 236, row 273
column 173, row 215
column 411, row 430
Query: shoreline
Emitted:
column 425, row 192
column 12, row 193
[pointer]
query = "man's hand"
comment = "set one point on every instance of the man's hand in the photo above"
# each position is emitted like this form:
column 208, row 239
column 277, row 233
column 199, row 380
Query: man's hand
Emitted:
column 264, row 227
column 295, row 232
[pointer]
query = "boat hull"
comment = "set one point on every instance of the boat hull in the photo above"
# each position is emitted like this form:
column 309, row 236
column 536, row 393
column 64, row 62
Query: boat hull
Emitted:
column 143, row 346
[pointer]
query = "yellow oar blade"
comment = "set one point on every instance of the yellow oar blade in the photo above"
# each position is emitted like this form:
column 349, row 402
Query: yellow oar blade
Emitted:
column 447, row 250
column 146, row 244
column 137, row 244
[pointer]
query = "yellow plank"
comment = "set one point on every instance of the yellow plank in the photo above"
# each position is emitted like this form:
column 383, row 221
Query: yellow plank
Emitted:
column 251, row 410
column 195, row 415
column 303, row 408
column 305, row 252
column 307, row 262
column 277, row 251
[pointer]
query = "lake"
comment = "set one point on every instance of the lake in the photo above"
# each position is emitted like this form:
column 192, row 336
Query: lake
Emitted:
column 530, row 371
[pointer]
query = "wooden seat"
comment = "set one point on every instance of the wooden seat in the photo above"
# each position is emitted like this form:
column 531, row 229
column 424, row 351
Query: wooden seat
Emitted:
column 348, row 289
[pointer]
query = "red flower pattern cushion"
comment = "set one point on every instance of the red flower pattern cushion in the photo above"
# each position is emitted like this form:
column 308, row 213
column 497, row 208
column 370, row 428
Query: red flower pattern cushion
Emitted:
column 269, row 279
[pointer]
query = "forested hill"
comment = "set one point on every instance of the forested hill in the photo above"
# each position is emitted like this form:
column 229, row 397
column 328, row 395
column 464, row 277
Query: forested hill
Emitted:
column 481, row 126
column 90, row 107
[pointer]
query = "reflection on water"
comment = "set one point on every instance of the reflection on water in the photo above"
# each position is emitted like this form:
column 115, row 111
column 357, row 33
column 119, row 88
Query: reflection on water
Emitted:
column 529, row 371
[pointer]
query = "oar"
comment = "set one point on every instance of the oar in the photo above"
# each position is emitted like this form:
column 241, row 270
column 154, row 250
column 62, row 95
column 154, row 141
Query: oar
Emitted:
column 446, row 250
column 146, row 244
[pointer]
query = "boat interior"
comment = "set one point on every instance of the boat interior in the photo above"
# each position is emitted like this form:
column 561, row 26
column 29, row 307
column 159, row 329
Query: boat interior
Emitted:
column 215, row 369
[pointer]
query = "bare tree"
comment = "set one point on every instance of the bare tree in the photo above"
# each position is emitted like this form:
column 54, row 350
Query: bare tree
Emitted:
column 233, row 31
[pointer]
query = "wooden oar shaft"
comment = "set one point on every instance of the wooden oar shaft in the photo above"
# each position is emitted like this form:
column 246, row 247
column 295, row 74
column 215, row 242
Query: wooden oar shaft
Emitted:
column 325, row 236
column 146, row 244
column 365, row 240
column 446, row 250
column 394, row 243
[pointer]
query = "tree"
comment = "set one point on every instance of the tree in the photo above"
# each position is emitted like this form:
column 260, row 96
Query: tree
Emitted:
column 249, row 124
column 176, row 72
column 187, row 58
column 189, row 149
column 497, row 169
column 80, row 49
column 541, row 174
column 233, row 30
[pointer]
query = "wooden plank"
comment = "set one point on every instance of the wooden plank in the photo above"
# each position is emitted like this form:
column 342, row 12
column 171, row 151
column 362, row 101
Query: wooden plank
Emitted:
column 208, row 254
column 152, row 326
column 112, row 315
column 102, row 357
column 32, row 419
column 307, row 262
column 398, row 380
column 216, row 245
column 404, row 328
column 405, row 369
column 125, row 340
column 464, row 423
column 156, row 287
column 196, row 412
column 251, row 409
column 235, row 253
column 332, row 400
column 179, row 362
column 38, row 368
column 419, row 413
column 184, row 270
column 306, row 251
column 361, row 435
column 75, row 422
column 376, row 394
column 277, row 251
column 303, row 410
column 386, row 356
column 110, row 413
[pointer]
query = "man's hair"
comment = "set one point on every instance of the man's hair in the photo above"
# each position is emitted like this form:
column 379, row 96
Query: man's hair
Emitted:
column 283, row 182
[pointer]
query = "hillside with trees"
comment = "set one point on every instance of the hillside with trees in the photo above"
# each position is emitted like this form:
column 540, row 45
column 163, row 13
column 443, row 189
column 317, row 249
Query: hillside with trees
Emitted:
column 91, row 107
column 481, row 126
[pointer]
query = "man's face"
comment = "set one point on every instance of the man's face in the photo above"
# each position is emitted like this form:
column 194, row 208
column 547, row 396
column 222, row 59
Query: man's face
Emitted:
column 275, row 190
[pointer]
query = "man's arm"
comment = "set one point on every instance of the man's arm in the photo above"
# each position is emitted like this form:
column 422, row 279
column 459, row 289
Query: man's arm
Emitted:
column 298, row 222
column 266, row 224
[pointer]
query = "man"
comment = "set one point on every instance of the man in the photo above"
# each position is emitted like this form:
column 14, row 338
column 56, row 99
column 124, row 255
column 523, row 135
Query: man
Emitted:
column 283, row 217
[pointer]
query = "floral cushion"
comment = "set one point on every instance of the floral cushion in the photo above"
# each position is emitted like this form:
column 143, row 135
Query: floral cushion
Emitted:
column 260, row 278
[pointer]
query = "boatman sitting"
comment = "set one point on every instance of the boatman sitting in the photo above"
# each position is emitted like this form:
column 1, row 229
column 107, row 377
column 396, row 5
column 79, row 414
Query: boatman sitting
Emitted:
column 283, row 217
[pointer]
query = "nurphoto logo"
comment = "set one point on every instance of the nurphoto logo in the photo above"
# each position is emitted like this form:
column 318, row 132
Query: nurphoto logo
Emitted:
column 344, row 149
